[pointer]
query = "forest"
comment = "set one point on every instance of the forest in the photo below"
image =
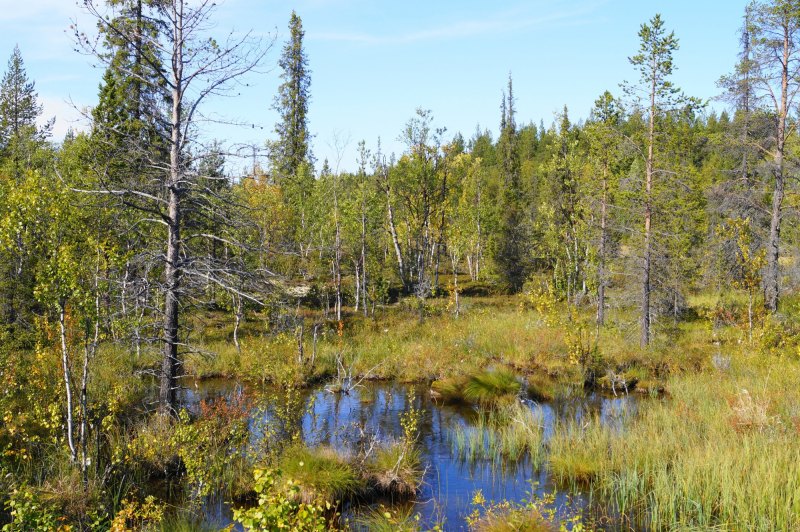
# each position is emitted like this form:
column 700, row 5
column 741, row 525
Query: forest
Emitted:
column 592, row 324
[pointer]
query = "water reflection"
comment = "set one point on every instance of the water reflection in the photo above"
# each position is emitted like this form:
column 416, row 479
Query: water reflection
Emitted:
column 343, row 420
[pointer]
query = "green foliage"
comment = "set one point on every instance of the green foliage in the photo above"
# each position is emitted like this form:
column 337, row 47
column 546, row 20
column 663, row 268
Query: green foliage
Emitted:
column 279, row 506
column 29, row 511
column 537, row 514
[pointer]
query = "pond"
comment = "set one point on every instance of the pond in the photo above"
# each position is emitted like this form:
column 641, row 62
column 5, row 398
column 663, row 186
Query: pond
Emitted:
column 451, row 479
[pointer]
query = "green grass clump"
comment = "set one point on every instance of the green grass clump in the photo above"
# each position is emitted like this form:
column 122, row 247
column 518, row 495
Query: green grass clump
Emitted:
column 450, row 390
column 510, row 432
column 492, row 388
column 487, row 388
column 322, row 473
column 513, row 520
column 384, row 519
column 395, row 468
column 714, row 455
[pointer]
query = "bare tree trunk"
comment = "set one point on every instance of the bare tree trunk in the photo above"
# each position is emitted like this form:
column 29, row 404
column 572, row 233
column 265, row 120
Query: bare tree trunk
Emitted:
column 358, row 284
column 772, row 274
column 364, row 254
column 455, row 259
column 89, row 350
column 237, row 320
column 67, row 380
column 170, row 362
column 300, row 351
column 393, row 232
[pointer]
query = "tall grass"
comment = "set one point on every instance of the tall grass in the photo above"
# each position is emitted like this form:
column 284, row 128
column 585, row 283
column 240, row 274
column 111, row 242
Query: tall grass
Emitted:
column 712, row 456
column 509, row 433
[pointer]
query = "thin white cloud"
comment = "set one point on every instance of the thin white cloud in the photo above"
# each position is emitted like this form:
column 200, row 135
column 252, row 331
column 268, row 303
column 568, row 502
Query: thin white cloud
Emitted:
column 503, row 22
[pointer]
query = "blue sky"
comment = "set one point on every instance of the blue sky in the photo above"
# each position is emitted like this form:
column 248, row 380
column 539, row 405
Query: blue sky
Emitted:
column 373, row 63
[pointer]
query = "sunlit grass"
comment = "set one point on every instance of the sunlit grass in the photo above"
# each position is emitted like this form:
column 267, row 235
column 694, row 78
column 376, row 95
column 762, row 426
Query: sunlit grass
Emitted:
column 511, row 432
column 322, row 473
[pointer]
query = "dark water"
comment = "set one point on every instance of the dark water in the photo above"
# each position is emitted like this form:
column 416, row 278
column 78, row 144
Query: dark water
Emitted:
column 450, row 482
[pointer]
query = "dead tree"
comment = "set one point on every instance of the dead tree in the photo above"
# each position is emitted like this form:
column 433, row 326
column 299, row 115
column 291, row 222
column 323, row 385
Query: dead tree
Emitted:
column 196, row 66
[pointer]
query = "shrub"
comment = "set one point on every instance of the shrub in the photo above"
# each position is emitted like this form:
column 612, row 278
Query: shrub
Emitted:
column 280, row 507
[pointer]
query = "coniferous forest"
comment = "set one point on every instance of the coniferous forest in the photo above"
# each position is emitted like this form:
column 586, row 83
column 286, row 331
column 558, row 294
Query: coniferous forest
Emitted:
column 587, row 325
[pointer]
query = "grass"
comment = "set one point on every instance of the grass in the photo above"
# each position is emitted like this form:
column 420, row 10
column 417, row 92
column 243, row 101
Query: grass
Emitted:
column 575, row 451
column 528, row 519
column 492, row 388
column 505, row 434
column 487, row 388
column 714, row 455
column 322, row 472
column 395, row 468
column 383, row 519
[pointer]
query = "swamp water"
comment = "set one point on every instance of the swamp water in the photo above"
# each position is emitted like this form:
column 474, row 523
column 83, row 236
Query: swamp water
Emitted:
column 451, row 479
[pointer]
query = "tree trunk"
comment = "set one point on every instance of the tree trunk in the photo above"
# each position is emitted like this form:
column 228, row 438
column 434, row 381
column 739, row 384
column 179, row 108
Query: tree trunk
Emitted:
column 601, row 267
column 648, row 213
column 396, row 242
column 170, row 364
column 772, row 275
column 67, row 380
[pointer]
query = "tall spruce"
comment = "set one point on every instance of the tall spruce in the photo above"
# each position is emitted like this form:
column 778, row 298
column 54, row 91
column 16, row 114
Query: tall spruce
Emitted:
column 291, row 150
column 510, row 246
column 19, row 109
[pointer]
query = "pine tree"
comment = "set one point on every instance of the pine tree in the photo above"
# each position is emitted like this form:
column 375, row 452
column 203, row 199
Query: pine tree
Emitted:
column 773, row 69
column 654, row 64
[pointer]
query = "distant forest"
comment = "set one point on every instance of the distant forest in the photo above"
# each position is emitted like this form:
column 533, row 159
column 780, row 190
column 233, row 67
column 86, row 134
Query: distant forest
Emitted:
column 121, row 231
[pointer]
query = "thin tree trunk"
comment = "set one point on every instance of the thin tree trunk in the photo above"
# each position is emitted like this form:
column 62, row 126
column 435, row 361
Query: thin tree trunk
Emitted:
column 358, row 285
column 396, row 242
column 237, row 320
column 601, row 269
column 645, row 340
column 67, row 380
column 771, row 279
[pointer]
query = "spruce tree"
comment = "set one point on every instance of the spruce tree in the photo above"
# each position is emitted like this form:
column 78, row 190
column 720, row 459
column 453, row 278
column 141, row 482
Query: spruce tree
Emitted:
column 19, row 109
column 510, row 246
column 291, row 149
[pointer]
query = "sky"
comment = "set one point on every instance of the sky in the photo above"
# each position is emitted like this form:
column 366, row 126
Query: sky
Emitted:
column 374, row 62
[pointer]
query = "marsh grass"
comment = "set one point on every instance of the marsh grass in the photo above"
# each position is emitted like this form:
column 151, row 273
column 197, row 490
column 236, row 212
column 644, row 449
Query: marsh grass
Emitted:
column 487, row 388
column 509, row 433
column 492, row 388
column 577, row 451
column 322, row 472
column 395, row 468
column 513, row 520
column 712, row 456
column 383, row 519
